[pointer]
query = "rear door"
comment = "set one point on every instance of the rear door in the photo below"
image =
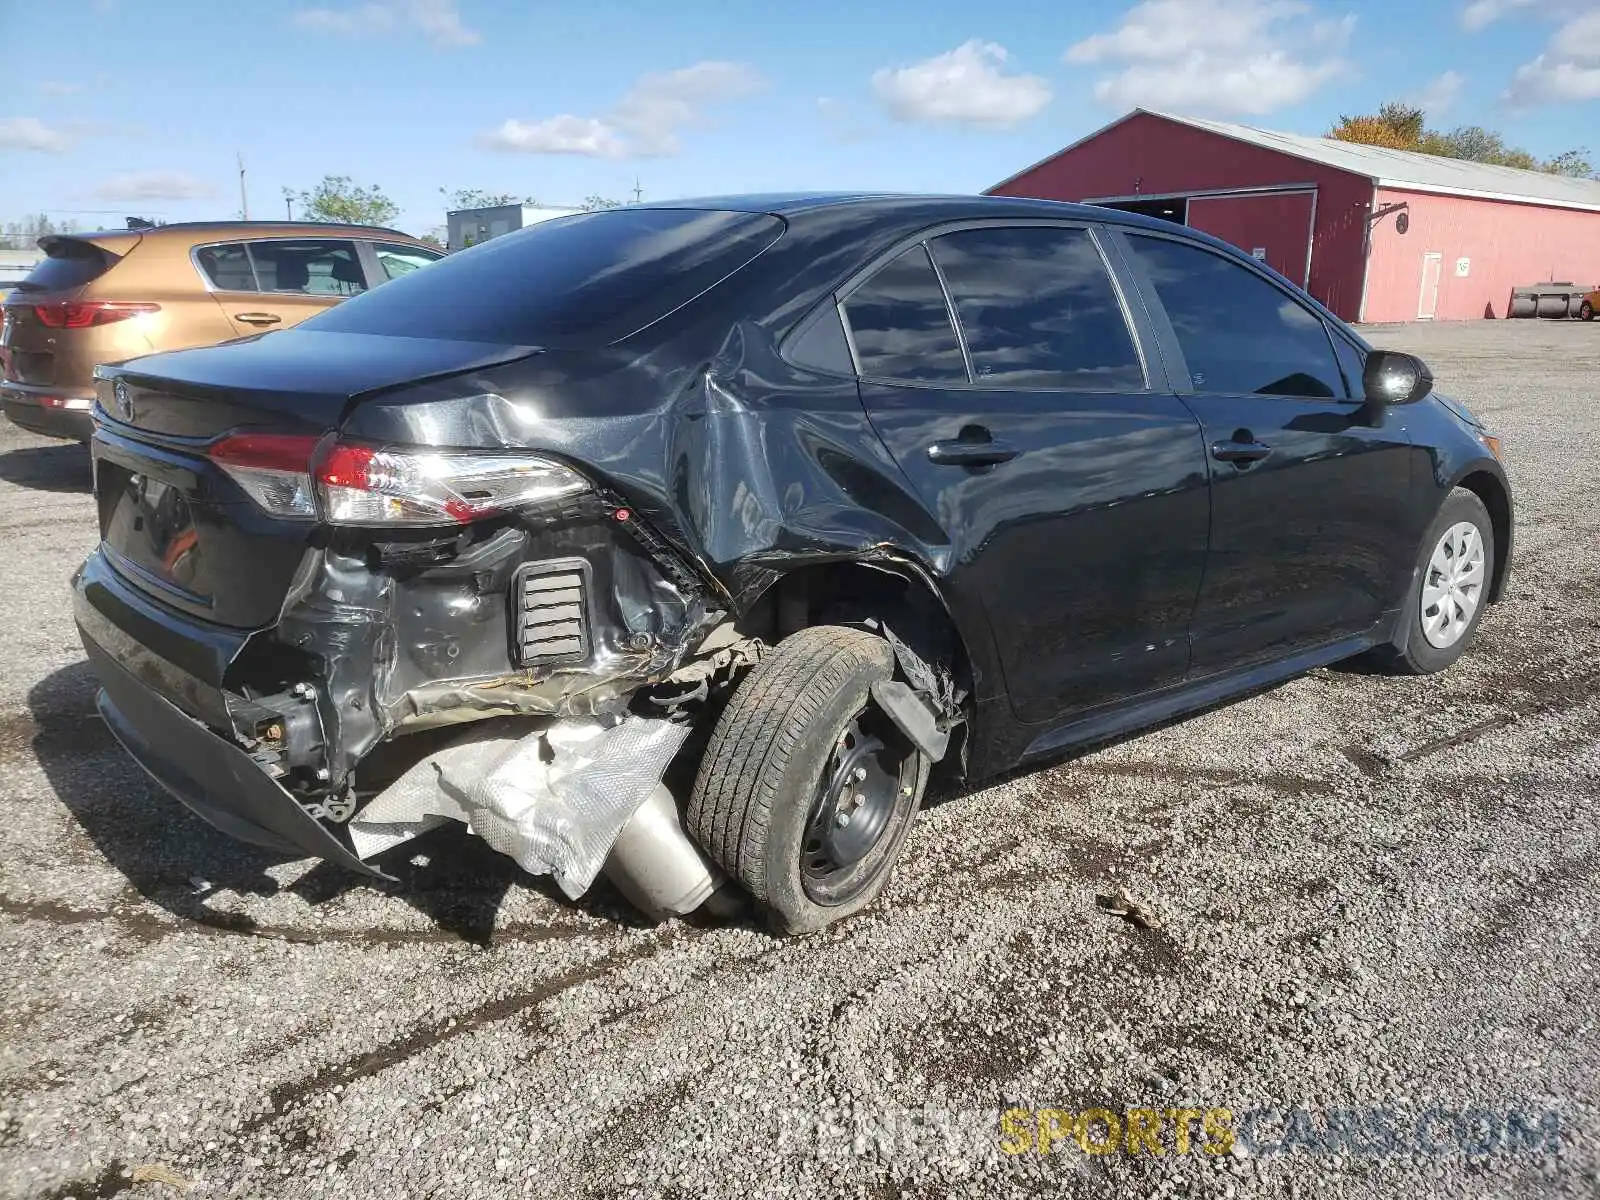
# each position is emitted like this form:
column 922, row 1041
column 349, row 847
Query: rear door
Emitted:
column 1312, row 534
column 275, row 283
column 1073, row 491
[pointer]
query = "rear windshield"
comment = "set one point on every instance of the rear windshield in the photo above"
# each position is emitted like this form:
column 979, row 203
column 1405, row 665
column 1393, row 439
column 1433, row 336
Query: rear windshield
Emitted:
column 69, row 264
column 587, row 278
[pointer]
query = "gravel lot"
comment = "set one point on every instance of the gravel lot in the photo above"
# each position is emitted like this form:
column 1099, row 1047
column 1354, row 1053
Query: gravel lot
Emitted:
column 1373, row 894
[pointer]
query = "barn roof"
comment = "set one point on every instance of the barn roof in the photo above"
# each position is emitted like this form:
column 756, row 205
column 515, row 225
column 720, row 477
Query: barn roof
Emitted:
column 1404, row 168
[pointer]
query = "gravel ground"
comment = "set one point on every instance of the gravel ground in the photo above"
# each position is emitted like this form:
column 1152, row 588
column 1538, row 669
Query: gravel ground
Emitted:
column 1374, row 896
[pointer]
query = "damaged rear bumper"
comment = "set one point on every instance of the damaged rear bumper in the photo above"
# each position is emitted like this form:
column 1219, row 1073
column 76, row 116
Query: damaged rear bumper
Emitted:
column 269, row 734
column 211, row 776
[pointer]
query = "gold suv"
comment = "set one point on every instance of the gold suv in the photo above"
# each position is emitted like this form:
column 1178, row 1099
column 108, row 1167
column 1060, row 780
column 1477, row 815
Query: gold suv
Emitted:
column 104, row 297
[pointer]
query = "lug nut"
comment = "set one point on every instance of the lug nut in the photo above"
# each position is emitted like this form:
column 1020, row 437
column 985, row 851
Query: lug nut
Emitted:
column 842, row 820
column 858, row 774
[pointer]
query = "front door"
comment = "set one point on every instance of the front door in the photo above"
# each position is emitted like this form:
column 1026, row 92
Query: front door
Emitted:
column 1073, row 494
column 1428, row 298
column 1312, row 535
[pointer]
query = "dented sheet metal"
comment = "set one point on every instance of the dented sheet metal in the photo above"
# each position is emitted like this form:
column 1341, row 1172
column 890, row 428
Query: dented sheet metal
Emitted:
column 406, row 647
column 554, row 800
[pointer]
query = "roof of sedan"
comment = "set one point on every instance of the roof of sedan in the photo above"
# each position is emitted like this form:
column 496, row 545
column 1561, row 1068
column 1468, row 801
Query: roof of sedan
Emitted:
column 788, row 203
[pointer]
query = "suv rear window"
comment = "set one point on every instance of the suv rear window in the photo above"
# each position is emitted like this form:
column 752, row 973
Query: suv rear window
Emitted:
column 69, row 263
column 585, row 278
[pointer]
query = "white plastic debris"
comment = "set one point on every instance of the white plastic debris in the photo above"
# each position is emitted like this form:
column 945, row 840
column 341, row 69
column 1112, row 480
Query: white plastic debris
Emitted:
column 554, row 800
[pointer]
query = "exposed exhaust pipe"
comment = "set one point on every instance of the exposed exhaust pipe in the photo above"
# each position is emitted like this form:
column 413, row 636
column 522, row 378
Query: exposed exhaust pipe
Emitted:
column 655, row 865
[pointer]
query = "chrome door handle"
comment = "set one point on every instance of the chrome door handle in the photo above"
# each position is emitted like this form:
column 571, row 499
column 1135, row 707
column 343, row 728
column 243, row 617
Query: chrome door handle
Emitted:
column 1243, row 453
column 959, row 453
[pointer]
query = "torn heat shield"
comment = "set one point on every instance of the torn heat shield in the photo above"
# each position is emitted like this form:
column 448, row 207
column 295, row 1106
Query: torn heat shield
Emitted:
column 555, row 800
column 402, row 635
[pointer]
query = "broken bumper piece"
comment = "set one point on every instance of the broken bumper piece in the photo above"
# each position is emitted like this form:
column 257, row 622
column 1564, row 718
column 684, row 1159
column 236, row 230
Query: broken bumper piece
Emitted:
column 214, row 778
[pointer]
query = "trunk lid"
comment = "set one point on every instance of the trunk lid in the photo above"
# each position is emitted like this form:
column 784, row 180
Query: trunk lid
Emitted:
column 298, row 380
column 176, row 525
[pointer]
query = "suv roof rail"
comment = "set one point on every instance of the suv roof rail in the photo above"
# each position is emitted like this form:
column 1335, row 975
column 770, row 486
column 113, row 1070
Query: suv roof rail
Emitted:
column 197, row 225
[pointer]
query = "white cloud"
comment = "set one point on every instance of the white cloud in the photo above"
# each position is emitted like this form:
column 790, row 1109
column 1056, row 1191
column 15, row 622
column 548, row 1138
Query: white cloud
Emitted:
column 1568, row 70
column 30, row 133
column 1441, row 93
column 52, row 87
column 437, row 20
column 565, row 134
column 966, row 86
column 1483, row 13
column 644, row 123
column 1224, row 56
column 154, row 185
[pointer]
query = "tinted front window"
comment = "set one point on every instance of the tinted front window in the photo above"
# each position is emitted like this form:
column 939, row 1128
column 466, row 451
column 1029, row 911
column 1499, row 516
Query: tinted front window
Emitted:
column 1239, row 333
column 313, row 266
column 901, row 324
column 1038, row 309
column 585, row 278
column 227, row 267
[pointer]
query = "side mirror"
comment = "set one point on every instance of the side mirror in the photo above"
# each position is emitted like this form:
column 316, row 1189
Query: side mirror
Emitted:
column 1391, row 377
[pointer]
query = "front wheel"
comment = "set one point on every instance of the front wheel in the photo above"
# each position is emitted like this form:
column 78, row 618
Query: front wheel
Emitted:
column 807, row 790
column 1586, row 311
column 1450, row 588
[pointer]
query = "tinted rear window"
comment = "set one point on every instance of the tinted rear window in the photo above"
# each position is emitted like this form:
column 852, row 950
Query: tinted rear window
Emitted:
column 70, row 264
column 1038, row 309
column 590, row 277
column 901, row 324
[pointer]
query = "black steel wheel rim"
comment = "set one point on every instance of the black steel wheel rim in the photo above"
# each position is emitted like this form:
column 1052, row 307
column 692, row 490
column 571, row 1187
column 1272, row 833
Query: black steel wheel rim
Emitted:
column 862, row 801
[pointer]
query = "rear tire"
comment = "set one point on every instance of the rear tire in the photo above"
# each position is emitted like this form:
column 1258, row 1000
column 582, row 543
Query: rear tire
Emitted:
column 1586, row 311
column 793, row 753
column 1448, row 592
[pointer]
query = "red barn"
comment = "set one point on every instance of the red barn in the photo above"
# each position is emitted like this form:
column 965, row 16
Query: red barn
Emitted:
column 1375, row 234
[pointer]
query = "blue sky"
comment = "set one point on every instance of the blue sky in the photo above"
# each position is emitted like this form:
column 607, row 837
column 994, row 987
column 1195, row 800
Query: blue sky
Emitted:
column 117, row 106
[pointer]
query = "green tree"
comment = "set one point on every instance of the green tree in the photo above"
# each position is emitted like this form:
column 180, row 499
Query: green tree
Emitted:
column 478, row 198
column 1407, row 120
column 1401, row 126
column 1574, row 163
column 338, row 199
column 595, row 203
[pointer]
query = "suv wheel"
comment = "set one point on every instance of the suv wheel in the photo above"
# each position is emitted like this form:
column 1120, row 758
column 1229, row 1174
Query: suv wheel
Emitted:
column 807, row 790
column 1586, row 311
column 1451, row 587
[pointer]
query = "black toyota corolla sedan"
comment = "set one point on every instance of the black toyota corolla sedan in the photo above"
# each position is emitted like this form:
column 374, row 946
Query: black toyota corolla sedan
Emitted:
column 681, row 542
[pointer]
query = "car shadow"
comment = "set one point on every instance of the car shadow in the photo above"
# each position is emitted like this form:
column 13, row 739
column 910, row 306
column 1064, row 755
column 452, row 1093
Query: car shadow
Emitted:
column 64, row 467
column 947, row 786
column 175, row 860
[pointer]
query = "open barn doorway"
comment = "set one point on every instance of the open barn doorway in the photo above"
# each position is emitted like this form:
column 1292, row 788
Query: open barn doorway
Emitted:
column 1175, row 210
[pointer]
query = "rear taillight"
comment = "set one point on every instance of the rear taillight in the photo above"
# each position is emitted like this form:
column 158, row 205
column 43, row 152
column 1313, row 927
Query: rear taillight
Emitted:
column 274, row 468
column 81, row 314
column 362, row 485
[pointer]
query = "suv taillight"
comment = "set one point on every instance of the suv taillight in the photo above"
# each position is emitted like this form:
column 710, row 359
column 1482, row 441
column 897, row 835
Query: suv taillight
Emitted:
column 81, row 314
column 362, row 485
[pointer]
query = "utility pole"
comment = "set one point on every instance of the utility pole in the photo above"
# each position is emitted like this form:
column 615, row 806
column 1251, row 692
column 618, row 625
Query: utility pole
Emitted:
column 288, row 207
column 638, row 192
column 244, row 199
